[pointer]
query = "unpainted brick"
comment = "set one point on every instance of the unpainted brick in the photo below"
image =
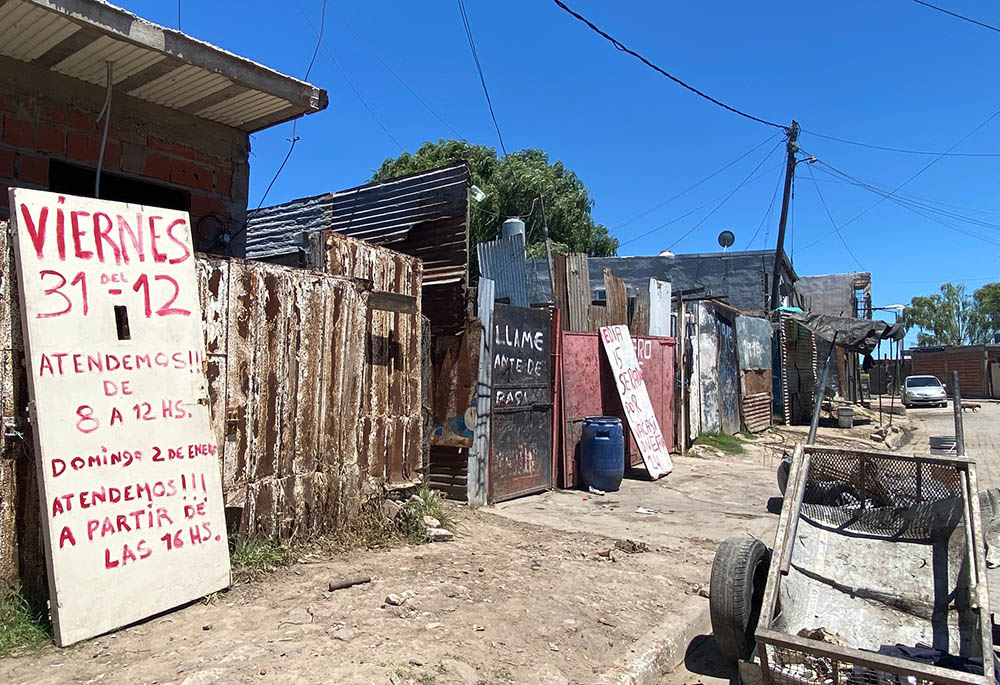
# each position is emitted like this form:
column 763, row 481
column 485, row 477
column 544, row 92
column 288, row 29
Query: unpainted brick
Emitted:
column 32, row 168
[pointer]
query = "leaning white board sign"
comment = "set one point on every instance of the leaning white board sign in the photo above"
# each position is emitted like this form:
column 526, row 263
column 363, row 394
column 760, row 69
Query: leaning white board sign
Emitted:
column 133, row 518
column 635, row 400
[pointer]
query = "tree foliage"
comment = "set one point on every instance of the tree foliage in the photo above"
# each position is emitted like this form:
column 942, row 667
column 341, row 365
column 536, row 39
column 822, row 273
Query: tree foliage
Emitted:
column 516, row 186
column 953, row 317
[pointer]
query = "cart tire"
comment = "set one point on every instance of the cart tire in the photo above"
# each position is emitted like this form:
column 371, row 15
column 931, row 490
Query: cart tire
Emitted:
column 739, row 575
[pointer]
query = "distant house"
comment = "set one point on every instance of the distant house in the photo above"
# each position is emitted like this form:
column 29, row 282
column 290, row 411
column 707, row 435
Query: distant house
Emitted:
column 182, row 112
column 740, row 279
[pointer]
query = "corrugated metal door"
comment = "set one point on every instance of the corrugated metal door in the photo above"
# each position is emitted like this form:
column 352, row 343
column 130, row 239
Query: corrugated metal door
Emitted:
column 521, row 431
column 729, row 392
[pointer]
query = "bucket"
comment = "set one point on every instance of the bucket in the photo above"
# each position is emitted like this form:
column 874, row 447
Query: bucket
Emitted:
column 602, row 453
column 845, row 417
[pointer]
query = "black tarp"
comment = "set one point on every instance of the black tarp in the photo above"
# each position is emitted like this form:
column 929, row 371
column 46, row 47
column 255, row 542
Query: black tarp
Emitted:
column 859, row 335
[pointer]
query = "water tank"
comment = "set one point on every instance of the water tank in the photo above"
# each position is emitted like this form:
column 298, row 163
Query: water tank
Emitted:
column 512, row 227
column 602, row 453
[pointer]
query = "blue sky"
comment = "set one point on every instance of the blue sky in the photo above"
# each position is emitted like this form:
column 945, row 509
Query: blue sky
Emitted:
column 891, row 73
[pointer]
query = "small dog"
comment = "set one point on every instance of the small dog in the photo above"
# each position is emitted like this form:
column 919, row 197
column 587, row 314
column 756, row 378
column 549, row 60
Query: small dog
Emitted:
column 974, row 406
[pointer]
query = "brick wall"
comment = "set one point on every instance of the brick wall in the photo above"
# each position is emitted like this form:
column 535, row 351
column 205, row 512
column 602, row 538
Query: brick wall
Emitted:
column 208, row 162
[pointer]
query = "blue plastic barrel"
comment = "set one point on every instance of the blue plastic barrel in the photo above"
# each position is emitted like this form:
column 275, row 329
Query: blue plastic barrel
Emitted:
column 602, row 453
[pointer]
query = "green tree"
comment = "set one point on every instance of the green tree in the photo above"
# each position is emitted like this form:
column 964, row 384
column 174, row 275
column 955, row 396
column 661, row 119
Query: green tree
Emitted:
column 513, row 186
column 952, row 317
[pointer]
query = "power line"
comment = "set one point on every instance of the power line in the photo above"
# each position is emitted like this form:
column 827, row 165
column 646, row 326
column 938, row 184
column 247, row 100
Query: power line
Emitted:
column 294, row 139
column 479, row 68
column 957, row 16
column 905, row 151
column 705, row 218
column 916, row 208
column 399, row 78
column 347, row 79
column 620, row 46
column 833, row 223
column 768, row 213
column 695, row 185
column 924, row 168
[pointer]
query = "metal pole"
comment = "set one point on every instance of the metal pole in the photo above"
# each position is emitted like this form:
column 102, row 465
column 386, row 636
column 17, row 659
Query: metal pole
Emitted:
column 548, row 249
column 680, row 407
column 892, row 399
column 793, row 147
column 821, row 391
column 956, row 395
column 881, row 380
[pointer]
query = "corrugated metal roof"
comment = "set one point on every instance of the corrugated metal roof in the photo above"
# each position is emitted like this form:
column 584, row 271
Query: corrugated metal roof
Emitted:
column 424, row 215
column 77, row 38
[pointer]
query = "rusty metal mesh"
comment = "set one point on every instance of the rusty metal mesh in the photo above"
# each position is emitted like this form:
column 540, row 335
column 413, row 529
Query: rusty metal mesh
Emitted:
column 795, row 667
column 882, row 495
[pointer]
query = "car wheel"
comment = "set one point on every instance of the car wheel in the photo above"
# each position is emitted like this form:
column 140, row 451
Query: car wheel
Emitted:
column 739, row 576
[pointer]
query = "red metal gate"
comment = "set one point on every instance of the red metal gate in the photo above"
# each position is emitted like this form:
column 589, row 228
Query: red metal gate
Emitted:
column 588, row 389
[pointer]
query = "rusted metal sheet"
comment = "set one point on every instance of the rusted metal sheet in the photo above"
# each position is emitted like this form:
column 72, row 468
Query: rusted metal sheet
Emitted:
column 521, row 431
column 588, row 389
column 756, row 410
column 597, row 316
column 392, row 425
column 423, row 215
column 503, row 262
column 455, row 361
column 639, row 324
column 559, row 295
column 798, row 372
column 617, row 299
column 578, row 292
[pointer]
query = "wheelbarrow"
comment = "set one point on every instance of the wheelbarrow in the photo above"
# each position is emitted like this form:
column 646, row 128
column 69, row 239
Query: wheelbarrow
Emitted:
column 877, row 575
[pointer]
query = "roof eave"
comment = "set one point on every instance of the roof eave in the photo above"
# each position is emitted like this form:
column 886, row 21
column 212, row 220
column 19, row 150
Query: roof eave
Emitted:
column 304, row 98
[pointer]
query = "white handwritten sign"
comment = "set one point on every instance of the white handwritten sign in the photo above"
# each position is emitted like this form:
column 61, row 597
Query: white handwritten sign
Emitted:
column 635, row 400
column 128, row 466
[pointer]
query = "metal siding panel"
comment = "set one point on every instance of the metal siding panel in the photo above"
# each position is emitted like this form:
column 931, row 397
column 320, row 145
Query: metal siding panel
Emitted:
column 503, row 262
column 31, row 31
column 578, row 292
column 660, row 307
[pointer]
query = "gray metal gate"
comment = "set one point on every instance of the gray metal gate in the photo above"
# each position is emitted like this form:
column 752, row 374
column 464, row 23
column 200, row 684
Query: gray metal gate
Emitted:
column 521, row 431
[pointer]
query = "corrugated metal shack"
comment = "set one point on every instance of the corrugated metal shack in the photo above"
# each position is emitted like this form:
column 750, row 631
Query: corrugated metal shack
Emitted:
column 304, row 374
column 424, row 215
column 978, row 367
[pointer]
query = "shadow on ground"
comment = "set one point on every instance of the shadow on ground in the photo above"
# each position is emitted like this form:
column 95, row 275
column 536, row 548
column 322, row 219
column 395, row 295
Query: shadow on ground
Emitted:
column 703, row 658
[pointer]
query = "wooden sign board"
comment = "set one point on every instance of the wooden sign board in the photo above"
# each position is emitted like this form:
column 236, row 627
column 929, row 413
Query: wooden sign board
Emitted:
column 129, row 473
column 635, row 400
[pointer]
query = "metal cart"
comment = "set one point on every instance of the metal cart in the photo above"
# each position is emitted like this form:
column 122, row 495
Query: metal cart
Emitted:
column 876, row 553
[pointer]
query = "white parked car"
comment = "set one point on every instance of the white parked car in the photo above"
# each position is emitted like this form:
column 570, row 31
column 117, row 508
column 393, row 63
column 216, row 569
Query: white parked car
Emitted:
column 924, row 390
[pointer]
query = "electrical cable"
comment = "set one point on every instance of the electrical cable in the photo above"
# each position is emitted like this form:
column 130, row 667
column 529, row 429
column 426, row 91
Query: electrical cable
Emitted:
column 620, row 46
column 916, row 208
column 106, row 114
column 725, row 198
column 347, row 79
column 833, row 223
column 399, row 78
column 479, row 68
column 294, row 138
column 957, row 16
column 927, row 153
column 927, row 166
column 767, row 214
column 695, row 185
column 908, row 201
column 699, row 207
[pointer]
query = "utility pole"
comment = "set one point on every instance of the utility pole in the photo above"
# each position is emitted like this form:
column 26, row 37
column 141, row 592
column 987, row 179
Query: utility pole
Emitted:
column 793, row 147
column 548, row 248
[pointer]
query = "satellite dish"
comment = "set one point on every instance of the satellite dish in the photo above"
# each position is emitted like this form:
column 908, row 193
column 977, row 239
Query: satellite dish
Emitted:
column 726, row 239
